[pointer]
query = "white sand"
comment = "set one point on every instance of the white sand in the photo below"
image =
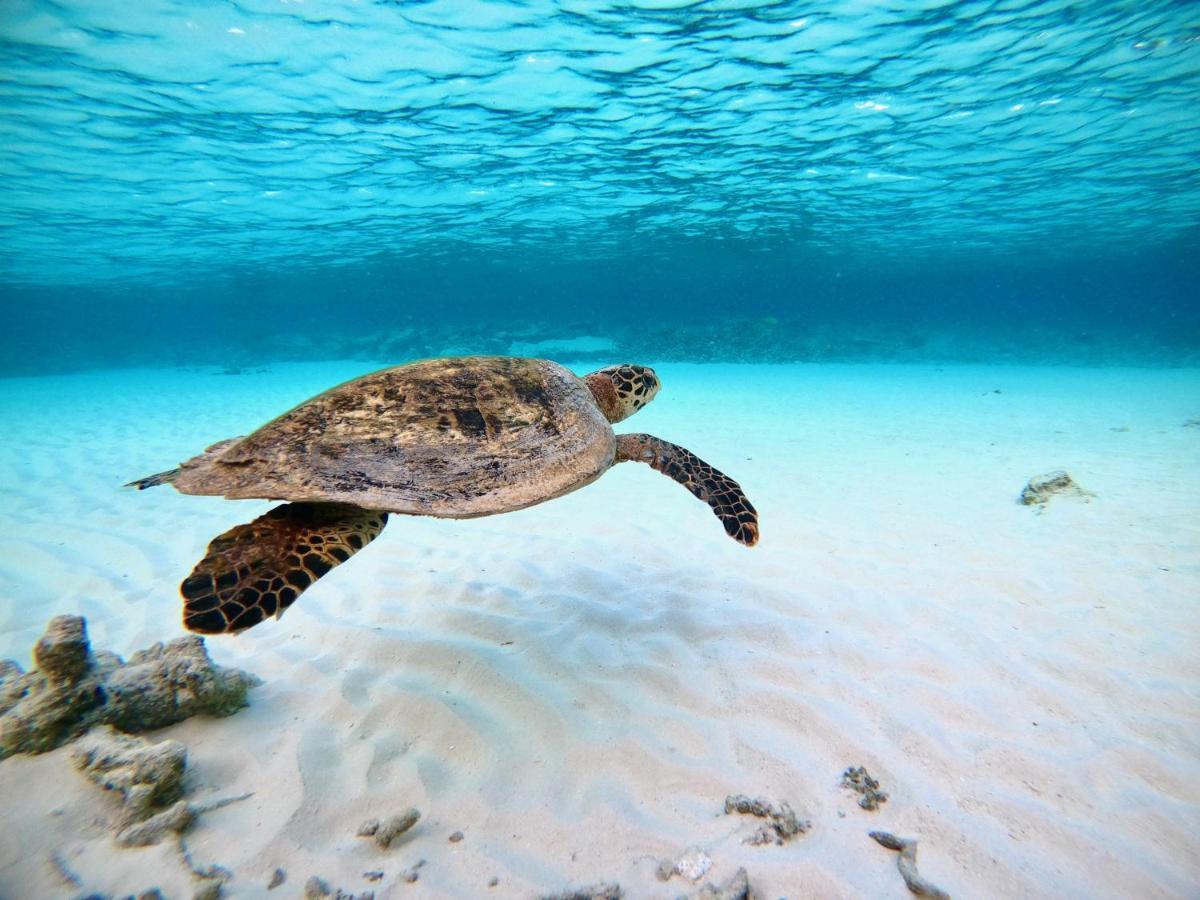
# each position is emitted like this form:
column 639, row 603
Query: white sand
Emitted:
column 578, row 686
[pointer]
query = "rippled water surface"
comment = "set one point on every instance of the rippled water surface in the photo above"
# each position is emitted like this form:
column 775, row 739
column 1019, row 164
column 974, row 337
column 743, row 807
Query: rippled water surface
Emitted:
column 167, row 146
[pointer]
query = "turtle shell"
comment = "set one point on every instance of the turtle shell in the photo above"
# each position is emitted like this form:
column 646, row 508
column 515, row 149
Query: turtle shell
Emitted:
column 454, row 437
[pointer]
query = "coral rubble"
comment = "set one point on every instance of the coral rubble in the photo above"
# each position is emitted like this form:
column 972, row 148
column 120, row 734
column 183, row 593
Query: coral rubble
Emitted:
column 907, row 864
column 317, row 888
column 606, row 891
column 736, row 888
column 781, row 825
column 149, row 778
column 857, row 779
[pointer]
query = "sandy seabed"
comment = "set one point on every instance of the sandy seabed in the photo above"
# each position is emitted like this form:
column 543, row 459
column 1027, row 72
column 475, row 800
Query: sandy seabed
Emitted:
column 576, row 687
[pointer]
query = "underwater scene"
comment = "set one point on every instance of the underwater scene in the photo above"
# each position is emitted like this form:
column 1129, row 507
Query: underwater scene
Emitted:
column 329, row 327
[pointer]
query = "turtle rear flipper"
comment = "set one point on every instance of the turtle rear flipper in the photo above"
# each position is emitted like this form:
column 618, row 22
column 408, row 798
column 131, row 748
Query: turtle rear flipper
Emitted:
column 714, row 487
column 260, row 568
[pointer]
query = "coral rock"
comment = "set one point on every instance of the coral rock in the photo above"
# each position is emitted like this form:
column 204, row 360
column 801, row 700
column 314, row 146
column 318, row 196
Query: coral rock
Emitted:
column 168, row 683
column 174, row 820
column 74, row 689
column 146, row 775
column 63, row 653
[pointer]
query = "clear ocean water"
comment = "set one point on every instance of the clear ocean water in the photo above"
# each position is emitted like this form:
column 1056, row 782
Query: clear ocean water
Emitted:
column 920, row 276
column 240, row 182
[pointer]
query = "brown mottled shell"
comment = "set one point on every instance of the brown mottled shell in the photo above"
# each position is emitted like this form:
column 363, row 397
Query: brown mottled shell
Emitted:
column 456, row 437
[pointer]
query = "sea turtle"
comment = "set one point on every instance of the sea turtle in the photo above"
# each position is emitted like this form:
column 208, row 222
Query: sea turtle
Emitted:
column 455, row 438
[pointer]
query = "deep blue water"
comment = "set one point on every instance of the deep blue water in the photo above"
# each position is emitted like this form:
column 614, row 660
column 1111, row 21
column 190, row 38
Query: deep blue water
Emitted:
column 220, row 183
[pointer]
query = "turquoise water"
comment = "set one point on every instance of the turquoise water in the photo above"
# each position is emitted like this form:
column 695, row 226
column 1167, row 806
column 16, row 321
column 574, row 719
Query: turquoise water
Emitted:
column 982, row 218
column 225, row 183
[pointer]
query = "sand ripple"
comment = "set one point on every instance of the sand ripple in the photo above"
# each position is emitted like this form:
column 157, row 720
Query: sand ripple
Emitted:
column 577, row 687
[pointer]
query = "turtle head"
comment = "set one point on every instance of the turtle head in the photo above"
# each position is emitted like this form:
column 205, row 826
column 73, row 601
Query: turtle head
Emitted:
column 622, row 390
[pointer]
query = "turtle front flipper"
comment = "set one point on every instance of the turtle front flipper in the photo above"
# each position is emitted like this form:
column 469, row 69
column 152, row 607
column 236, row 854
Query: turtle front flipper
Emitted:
column 714, row 487
column 260, row 568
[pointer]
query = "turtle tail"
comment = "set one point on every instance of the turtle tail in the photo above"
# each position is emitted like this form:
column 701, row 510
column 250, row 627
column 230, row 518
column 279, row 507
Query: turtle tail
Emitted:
column 155, row 480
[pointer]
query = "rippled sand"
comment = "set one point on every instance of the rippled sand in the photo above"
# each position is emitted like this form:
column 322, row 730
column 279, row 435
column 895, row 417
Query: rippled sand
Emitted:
column 577, row 687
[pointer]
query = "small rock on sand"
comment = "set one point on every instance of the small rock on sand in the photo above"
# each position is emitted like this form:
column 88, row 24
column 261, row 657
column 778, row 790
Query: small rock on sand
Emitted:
column 692, row 864
column 736, row 888
column 1040, row 488
column 318, row 888
column 605, row 891
column 386, row 831
column 412, row 874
